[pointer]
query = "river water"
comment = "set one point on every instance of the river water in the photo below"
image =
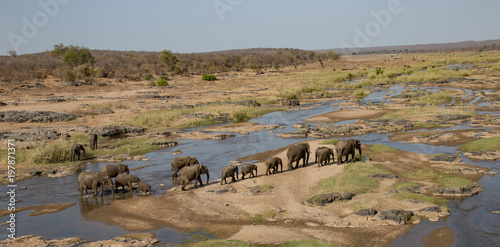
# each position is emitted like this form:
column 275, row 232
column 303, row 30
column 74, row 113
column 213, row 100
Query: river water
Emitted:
column 471, row 219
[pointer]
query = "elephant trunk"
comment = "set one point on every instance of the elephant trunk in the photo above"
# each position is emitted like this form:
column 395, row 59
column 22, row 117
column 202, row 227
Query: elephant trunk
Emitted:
column 360, row 154
column 208, row 177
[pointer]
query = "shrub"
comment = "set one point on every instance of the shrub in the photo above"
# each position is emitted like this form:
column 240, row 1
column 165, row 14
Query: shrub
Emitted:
column 148, row 77
column 359, row 93
column 68, row 75
column 208, row 77
column 76, row 56
column 240, row 116
column 161, row 82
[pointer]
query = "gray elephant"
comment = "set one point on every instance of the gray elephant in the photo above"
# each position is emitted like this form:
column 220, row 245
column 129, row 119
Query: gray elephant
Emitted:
column 74, row 150
column 323, row 155
column 93, row 180
column 114, row 170
column 296, row 153
column 346, row 148
column 179, row 162
column 248, row 169
column 92, row 141
column 125, row 179
column 144, row 188
column 273, row 163
column 229, row 171
column 190, row 173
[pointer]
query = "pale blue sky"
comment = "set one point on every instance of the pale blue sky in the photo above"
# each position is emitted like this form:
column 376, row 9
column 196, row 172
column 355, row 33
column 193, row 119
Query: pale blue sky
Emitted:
column 197, row 25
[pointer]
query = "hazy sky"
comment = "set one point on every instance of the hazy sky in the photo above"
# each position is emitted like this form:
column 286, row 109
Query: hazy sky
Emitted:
column 211, row 25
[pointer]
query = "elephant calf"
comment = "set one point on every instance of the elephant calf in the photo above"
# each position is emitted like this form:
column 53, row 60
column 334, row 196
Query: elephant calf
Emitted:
column 143, row 187
column 93, row 180
column 92, row 138
column 323, row 155
column 229, row 171
column 75, row 150
column 190, row 173
column 248, row 169
column 273, row 163
column 125, row 179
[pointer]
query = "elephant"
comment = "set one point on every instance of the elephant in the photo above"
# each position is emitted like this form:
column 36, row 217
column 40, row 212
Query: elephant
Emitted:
column 75, row 151
column 93, row 180
column 229, row 171
column 248, row 169
column 272, row 163
column 297, row 152
column 179, row 162
column 348, row 148
column 92, row 141
column 190, row 173
column 125, row 179
column 143, row 187
column 323, row 155
column 114, row 170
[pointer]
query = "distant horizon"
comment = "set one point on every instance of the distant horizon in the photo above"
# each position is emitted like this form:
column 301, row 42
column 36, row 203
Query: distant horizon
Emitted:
column 316, row 50
column 200, row 26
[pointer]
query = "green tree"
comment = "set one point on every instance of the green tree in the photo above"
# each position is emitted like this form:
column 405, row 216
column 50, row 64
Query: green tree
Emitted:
column 76, row 56
column 169, row 59
column 59, row 50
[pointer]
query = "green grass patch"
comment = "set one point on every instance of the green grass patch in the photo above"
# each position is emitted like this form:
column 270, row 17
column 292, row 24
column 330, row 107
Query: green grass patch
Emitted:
column 425, row 175
column 381, row 148
column 436, row 98
column 427, row 125
column 355, row 179
column 359, row 93
column 454, row 182
column 266, row 187
column 420, row 197
column 332, row 141
column 485, row 144
column 422, row 112
column 404, row 185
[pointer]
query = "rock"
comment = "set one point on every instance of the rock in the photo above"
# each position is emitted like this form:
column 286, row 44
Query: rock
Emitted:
column 301, row 125
column 290, row 102
column 253, row 103
column 431, row 209
column 292, row 135
column 329, row 198
column 114, row 130
column 452, row 117
column 398, row 216
column 255, row 190
column 385, row 176
column 459, row 191
column 2, row 104
column 36, row 116
column 496, row 212
column 31, row 240
column 223, row 136
column 412, row 189
column 176, row 152
column 366, row 212
column 450, row 158
column 484, row 155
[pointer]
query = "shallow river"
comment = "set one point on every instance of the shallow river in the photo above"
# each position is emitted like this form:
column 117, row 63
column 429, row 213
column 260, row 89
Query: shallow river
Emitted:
column 470, row 219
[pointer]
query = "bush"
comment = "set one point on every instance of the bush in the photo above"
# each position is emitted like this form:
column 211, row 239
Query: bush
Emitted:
column 68, row 75
column 148, row 77
column 161, row 82
column 208, row 77
column 240, row 116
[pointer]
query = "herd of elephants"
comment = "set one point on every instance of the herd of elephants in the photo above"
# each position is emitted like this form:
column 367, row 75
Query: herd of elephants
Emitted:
column 190, row 169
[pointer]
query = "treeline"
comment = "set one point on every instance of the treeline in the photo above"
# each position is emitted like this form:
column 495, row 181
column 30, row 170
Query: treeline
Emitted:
column 71, row 63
